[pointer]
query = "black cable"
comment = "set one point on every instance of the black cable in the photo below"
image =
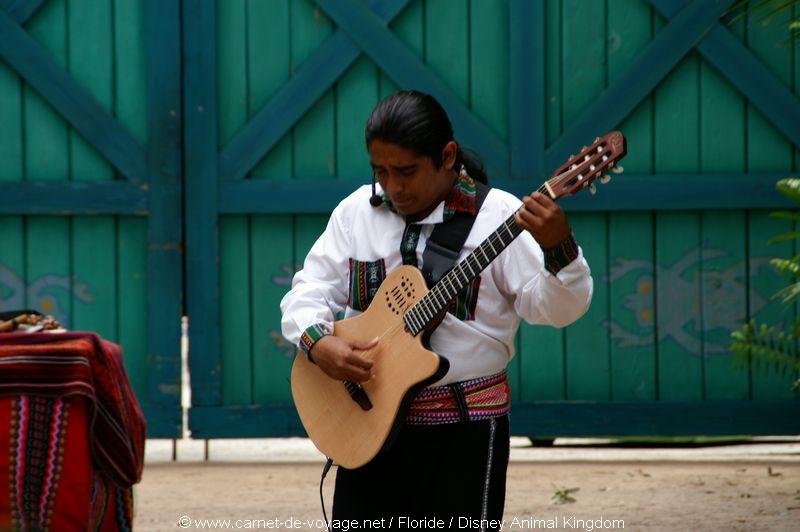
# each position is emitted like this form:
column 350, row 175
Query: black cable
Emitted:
column 321, row 498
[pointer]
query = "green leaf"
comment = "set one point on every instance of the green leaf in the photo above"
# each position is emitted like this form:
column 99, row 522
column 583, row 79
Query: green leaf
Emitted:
column 785, row 215
column 784, row 237
column 789, row 187
column 788, row 294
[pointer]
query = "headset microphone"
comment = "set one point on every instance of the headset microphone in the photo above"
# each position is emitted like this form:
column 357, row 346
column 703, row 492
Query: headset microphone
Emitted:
column 375, row 200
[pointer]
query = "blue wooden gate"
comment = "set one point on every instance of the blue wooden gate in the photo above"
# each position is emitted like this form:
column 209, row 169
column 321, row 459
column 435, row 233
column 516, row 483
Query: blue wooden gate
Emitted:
column 276, row 96
column 272, row 97
column 90, row 189
column 255, row 181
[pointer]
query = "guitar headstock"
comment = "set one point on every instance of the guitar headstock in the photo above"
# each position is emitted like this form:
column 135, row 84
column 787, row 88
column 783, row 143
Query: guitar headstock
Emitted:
column 590, row 163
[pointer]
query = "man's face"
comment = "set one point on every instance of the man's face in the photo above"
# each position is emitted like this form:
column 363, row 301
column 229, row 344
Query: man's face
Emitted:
column 413, row 183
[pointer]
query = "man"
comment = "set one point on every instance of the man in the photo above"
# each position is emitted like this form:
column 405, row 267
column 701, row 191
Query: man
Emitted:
column 450, row 458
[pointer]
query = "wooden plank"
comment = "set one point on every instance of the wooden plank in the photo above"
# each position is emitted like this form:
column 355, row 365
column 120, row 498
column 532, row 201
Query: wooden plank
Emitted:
column 94, row 245
column 548, row 418
column 235, row 317
column 132, row 301
column 553, row 57
column 677, row 239
column 21, row 10
column 12, row 263
column 165, row 227
column 270, row 236
column 130, row 74
column 72, row 197
column 524, row 58
column 542, row 361
column 678, row 303
column 11, row 132
column 587, row 344
column 447, row 53
column 355, row 97
column 314, row 134
column 491, row 74
column 542, row 364
column 631, row 324
column 723, row 278
column 161, row 421
column 409, row 28
column 748, row 74
column 202, row 253
column 130, row 68
column 49, row 283
column 309, row 82
column 632, row 316
column 268, row 30
column 627, row 192
column 367, row 30
column 272, row 268
column 666, row 49
column 629, row 31
column 724, row 303
column 234, row 231
column 12, row 228
column 47, row 239
column 657, row 418
column 28, row 57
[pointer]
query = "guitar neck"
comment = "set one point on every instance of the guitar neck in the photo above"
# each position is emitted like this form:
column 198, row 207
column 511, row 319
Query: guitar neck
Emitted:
column 462, row 275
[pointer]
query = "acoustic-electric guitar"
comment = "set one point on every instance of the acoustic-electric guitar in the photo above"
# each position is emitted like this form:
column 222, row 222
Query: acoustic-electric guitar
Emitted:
column 351, row 422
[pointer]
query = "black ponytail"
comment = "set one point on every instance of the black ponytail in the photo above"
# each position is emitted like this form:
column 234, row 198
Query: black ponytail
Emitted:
column 416, row 121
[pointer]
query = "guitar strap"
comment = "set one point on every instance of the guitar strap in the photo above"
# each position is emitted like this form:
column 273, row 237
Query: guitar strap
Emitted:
column 447, row 239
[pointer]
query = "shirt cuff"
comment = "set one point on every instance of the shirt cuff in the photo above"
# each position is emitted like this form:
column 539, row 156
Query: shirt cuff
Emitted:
column 558, row 257
column 311, row 336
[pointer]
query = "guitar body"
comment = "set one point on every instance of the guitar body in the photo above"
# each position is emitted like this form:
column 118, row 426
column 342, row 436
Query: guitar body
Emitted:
column 341, row 428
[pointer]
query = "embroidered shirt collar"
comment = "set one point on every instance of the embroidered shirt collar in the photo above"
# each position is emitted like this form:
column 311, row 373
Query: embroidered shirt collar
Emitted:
column 461, row 198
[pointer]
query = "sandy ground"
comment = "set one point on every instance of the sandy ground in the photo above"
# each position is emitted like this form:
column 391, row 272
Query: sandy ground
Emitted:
column 726, row 488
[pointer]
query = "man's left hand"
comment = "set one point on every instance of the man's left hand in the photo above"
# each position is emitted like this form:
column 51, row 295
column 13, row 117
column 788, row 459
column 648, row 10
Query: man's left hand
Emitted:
column 544, row 219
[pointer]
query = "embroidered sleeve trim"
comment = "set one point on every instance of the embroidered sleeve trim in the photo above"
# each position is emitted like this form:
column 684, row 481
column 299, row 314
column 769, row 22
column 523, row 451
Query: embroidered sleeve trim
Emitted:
column 365, row 279
column 561, row 255
column 311, row 335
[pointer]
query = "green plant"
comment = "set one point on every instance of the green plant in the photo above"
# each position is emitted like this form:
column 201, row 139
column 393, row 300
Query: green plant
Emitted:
column 765, row 11
column 754, row 342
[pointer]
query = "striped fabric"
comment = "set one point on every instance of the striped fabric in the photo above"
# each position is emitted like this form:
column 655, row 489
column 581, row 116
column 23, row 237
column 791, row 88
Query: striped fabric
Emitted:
column 71, row 434
column 365, row 279
column 486, row 397
column 559, row 256
column 461, row 198
column 310, row 337
column 78, row 363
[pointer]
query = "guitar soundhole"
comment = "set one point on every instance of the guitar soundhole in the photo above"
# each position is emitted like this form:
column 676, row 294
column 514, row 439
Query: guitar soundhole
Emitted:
column 397, row 299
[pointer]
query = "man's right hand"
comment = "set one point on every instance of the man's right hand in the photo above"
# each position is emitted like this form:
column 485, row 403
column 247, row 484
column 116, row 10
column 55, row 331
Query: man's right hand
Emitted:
column 340, row 358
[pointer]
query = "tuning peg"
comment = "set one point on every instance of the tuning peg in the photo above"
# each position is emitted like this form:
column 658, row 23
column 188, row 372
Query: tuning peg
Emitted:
column 618, row 169
column 605, row 178
column 592, row 189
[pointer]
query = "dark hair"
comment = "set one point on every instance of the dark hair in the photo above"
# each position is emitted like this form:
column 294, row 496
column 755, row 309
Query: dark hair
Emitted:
column 416, row 121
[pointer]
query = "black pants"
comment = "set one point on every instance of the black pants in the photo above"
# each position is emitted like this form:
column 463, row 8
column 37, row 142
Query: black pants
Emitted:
column 454, row 473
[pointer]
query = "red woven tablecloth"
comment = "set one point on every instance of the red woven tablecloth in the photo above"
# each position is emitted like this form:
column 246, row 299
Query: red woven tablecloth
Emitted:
column 71, row 434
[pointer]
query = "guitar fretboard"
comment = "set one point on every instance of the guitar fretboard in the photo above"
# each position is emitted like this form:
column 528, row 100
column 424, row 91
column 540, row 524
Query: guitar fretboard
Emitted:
column 462, row 275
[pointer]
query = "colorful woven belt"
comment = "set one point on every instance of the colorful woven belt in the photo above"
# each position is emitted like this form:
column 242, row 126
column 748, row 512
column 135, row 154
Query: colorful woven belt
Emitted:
column 470, row 400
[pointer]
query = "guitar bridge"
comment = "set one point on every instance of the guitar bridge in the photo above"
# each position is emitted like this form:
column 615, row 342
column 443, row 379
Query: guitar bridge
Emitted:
column 358, row 394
